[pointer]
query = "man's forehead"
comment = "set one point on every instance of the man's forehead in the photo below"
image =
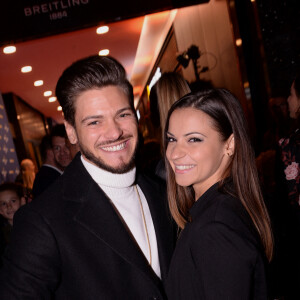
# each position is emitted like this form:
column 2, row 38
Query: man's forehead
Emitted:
column 97, row 102
column 58, row 140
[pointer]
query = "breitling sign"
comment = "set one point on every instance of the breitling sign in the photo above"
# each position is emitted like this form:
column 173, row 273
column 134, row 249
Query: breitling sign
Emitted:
column 9, row 165
column 28, row 19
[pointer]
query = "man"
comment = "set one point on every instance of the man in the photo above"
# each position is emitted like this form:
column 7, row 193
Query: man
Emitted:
column 100, row 231
column 55, row 156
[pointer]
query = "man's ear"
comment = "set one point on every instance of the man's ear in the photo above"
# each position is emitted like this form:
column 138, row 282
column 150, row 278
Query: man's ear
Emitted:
column 230, row 145
column 71, row 132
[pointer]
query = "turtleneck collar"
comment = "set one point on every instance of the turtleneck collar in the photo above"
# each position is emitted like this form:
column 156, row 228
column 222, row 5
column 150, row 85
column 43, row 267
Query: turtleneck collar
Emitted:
column 108, row 179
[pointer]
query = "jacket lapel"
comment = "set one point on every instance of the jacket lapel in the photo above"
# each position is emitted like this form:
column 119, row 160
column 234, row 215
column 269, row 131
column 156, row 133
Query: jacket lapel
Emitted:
column 98, row 216
column 164, row 226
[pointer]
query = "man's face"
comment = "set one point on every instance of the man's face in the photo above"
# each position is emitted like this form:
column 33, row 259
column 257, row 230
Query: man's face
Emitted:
column 105, row 129
column 61, row 153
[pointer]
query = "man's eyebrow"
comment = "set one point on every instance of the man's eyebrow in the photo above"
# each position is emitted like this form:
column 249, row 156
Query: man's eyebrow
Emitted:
column 91, row 117
column 102, row 117
column 124, row 109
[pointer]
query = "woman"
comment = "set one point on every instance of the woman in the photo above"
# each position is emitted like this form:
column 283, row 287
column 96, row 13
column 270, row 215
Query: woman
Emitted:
column 214, row 196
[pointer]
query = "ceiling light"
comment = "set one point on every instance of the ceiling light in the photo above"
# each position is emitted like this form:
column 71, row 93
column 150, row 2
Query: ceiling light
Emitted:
column 26, row 69
column 52, row 99
column 38, row 83
column 102, row 29
column 47, row 93
column 59, row 108
column 104, row 52
column 9, row 49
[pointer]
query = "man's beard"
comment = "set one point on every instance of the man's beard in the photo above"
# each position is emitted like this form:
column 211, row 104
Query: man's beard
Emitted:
column 121, row 169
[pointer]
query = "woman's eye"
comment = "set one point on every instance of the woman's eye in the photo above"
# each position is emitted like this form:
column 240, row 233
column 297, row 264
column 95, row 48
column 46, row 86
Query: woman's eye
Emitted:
column 195, row 140
column 170, row 139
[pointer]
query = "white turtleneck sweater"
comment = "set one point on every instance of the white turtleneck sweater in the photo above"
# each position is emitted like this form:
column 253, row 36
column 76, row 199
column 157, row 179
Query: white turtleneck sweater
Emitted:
column 121, row 191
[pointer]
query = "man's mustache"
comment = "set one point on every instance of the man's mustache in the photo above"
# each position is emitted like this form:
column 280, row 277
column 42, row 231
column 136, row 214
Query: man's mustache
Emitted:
column 118, row 140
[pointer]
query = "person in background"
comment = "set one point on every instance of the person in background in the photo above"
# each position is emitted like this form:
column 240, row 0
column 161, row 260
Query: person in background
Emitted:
column 73, row 148
column 101, row 231
column 61, row 152
column 26, row 177
column 288, row 194
column 215, row 198
column 290, row 147
column 170, row 87
column 55, row 156
column 11, row 199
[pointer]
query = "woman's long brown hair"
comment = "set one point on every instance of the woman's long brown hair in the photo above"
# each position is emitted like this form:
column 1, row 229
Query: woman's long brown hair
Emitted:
column 228, row 118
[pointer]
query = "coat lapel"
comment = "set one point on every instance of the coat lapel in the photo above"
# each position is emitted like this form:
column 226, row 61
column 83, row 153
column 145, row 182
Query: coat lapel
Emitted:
column 97, row 215
column 164, row 226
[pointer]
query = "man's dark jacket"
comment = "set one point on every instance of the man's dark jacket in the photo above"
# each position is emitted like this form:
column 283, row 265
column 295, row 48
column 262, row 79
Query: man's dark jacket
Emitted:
column 69, row 243
column 43, row 179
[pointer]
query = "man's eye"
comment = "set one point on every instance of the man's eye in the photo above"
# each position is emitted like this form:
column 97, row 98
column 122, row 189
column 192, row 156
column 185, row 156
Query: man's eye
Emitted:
column 125, row 115
column 93, row 123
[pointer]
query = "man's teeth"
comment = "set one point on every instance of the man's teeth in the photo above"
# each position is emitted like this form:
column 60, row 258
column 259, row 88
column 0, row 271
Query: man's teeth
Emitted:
column 114, row 148
column 184, row 167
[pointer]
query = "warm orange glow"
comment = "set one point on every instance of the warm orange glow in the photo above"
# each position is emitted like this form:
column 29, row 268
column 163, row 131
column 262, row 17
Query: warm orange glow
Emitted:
column 238, row 42
column 137, row 89
column 145, row 60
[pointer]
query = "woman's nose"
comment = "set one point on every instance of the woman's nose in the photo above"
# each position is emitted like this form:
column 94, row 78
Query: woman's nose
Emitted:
column 177, row 151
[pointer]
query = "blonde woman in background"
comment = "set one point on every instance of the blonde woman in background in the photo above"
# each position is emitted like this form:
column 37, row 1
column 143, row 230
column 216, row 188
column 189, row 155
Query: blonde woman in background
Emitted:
column 170, row 87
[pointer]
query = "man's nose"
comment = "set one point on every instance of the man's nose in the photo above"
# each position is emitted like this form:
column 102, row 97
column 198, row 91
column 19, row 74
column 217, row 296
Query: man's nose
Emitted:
column 113, row 130
column 64, row 150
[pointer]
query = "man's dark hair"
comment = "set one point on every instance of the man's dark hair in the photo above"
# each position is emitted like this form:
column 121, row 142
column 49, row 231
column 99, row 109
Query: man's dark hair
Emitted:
column 58, row 130
column 93, row 72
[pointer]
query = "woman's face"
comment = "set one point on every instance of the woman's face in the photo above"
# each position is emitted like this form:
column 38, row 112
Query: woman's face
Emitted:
column 294, row 103
column 195, row 151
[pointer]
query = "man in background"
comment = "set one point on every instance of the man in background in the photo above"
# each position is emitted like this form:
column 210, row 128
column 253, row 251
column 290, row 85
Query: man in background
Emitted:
column 55, row 156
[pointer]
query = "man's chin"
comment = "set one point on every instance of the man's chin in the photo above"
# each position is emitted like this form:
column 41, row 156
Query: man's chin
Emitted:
column 116, row 169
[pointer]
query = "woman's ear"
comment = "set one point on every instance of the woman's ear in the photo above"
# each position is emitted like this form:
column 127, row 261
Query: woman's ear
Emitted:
column 71, row 132
column 230, row 145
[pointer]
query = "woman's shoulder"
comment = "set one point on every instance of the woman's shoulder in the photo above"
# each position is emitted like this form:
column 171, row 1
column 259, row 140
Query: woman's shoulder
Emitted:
column 227, row 211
